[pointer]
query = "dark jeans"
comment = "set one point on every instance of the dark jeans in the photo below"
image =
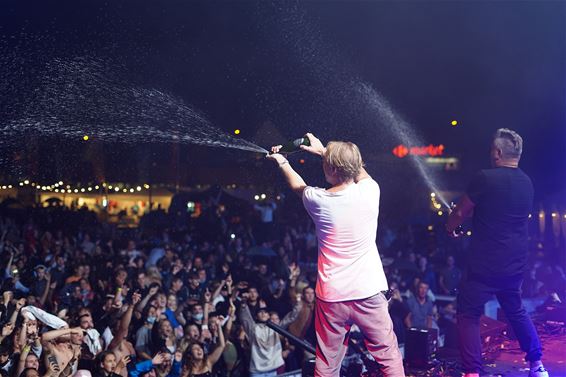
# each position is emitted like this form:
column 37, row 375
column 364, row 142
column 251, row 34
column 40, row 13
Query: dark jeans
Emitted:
column 475, row 291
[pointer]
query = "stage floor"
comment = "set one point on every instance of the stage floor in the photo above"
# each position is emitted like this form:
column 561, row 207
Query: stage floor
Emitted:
column 510, row 362
column 507, row 361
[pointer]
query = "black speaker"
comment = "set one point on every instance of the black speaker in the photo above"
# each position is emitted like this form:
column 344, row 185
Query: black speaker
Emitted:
column 420, row 347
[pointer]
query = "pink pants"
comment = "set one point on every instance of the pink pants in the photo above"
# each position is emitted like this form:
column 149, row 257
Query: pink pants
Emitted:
column 333, row 321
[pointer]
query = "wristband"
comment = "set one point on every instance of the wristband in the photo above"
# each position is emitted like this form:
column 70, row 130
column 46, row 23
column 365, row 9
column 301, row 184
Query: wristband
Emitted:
column 283, row 163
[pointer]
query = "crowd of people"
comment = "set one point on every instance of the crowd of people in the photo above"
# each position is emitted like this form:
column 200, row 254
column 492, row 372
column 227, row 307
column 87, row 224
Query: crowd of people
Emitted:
column 82, row 298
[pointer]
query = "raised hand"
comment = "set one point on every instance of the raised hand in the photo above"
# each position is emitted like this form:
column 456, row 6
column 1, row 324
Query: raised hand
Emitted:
column 295, row 271
column 178, row 356
column 176, row 269
column 7, row 329
column 315, row 146
column 123, row 362
column 158, row 359
column 153, row 290
column 207, row 296
column 136, row 298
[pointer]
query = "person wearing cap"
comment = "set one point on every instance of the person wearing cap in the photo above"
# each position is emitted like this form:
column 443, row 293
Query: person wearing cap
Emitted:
column 266, row 351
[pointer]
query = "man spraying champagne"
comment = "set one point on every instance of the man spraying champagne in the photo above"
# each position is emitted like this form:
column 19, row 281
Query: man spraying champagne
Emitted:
column 351, row 280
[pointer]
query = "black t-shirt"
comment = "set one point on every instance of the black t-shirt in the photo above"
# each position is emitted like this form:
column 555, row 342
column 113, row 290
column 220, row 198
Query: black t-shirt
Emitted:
column 503, row 199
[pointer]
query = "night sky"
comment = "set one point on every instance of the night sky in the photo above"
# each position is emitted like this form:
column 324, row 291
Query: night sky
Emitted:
column 276, row 70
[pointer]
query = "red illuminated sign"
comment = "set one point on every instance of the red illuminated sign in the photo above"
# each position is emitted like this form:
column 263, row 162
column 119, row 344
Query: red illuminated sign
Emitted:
column 429, row 150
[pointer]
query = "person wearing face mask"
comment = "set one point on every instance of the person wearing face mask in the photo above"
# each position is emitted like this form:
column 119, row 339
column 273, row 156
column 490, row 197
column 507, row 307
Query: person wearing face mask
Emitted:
column 143, row 335
column 197, row 314
column 266, row 351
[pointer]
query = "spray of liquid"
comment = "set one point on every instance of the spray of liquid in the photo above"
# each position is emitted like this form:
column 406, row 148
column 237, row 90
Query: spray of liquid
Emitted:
column 323, row 65
column 402, row 130
column 79, row 97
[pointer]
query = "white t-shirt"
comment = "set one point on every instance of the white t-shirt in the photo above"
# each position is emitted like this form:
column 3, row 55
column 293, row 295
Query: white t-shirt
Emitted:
column 349, row 266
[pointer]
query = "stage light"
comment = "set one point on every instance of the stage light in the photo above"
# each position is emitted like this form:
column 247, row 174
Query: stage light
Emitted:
column 256, row 197
column 138, row 188
column 132, row 190
column 232, row 236
column 469, row 232
column 146, row 186
column 554, row 214
column 85, row 137
column 75, row 191
column 90, row 189
column 530, row 215
column 60, row 183
column 82, row 190
column 454, row 123
column 432, row 195
column 301, row 161
column 116, row 189
column 110, row 187
column 96, row 187
column 440, row 213
column 263, row 196
column 236, row 132
column 430, row 228
column 26, row 182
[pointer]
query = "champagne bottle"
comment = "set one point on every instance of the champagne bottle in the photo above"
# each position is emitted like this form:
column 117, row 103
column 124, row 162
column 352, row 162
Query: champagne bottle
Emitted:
column 293, row 146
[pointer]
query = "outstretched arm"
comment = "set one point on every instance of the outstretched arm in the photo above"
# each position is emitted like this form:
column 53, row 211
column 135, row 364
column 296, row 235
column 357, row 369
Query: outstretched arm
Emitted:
column 125, row 322
column 294, row 180
column 215, row 355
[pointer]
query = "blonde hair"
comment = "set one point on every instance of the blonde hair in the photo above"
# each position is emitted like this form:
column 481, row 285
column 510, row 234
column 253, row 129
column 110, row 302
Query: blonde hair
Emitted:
column 344, row 158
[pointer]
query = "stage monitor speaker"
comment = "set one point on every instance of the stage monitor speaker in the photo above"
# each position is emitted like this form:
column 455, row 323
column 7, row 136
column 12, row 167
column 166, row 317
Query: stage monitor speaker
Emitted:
column 420, row 347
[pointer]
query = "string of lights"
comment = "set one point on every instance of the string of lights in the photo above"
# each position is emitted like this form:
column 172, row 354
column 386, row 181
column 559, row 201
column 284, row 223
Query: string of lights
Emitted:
column 61, row 187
